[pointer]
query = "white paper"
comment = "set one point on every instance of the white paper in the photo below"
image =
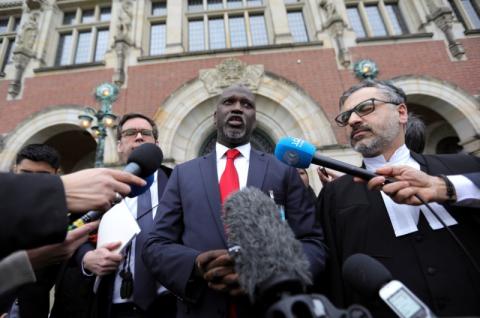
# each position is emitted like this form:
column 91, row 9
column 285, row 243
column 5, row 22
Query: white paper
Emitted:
column 117, row 225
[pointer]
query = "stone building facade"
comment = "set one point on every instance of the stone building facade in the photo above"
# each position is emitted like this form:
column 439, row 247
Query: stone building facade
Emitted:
column 171, row 58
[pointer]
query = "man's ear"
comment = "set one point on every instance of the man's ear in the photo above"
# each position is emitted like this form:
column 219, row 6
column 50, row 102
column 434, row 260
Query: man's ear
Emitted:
column 118, row 146
column 402, row 113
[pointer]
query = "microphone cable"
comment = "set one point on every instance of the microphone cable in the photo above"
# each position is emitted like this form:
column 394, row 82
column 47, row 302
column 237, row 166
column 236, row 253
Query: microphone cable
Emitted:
column 455, row 237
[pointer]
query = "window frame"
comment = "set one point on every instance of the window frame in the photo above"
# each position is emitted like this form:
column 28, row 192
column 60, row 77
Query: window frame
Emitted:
column 462, row 15
column 246, row 10
column 385, row 17
column 76, row 28
column 298, row 6
column 7, row 40
column 153, row 20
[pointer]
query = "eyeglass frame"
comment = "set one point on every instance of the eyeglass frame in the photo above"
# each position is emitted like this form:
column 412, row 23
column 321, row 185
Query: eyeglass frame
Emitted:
column 354, row 110
column 134, row 132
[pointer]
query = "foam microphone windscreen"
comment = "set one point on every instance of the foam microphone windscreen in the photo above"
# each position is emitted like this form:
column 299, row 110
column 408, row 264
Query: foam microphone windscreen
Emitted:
column 365, row 274
column 148, row 157
column 267, row 245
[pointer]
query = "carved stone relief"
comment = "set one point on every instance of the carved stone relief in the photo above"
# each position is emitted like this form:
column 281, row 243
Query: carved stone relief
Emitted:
column 335, row 24
column 443, row 17
column 122, row 40
column 25, row 43
column 231, row 71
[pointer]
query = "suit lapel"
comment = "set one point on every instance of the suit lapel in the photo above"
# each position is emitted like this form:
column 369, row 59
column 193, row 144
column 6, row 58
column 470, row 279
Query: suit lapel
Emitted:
column 208, row 170
column 421, row 161
column 257, row 169
column 162, row 179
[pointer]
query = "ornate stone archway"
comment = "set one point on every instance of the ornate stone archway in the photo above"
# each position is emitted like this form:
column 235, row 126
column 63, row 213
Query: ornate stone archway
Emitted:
column 456, row 106
column 185, row 120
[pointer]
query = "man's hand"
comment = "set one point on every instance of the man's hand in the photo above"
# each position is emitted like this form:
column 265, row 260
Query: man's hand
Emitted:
column 56, row 253
column 217, row 268
column 103, row 261
column 326, row 176
column 95, row 189
column 410, row 182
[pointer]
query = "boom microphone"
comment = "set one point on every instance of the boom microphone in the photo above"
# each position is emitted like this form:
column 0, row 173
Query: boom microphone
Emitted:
column 299, row 153
column 268, row 258
column 370, row 278
column 142, row 162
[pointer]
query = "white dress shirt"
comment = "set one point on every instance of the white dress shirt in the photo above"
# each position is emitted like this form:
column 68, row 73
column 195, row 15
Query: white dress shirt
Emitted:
column 132, row 206
column 241, row 163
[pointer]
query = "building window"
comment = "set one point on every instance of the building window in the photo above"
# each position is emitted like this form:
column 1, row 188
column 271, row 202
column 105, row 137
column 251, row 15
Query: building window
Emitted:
column 467, row 12
column 296, row 20
column 221, row 24
column 84, row 35
column 8, row 30
column 296, row 23
column 158, row 28
column 376, row 19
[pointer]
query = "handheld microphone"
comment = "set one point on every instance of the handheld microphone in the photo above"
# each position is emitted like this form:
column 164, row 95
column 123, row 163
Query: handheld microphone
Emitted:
column 370, row 278
column 142, row 162
column 299, row 153
column 268, row 258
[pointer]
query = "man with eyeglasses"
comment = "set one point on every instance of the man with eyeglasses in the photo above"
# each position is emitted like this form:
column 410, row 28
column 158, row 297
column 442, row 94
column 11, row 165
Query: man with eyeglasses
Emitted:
column 407, row 239
column 127, row 288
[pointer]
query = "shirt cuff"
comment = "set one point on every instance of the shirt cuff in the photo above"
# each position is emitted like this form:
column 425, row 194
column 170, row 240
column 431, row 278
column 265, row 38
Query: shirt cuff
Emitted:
column 85, row 271
column 464, row 188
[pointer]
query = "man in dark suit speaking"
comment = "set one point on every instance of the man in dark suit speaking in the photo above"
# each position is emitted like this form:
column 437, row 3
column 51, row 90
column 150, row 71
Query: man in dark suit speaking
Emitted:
column 189, row 233
column 406, row 239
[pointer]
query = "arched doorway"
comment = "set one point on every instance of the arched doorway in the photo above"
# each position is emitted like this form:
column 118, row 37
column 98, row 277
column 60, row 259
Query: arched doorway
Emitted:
column 56, row 127
column 448, row 110
column 186, row 124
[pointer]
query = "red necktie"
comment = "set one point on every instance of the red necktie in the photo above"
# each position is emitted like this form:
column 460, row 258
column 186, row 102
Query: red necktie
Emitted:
column 229, row 181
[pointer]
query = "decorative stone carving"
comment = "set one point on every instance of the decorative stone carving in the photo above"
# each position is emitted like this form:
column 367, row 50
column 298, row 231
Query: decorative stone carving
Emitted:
column 122, row 40
column 24, row 45
column 336, row 26
column 443, row 17
column 124, row 25
column 330, row 10
column 35, row 4
column 29, row 31
column 20, row 60
column 231, row 71
column 121, row 48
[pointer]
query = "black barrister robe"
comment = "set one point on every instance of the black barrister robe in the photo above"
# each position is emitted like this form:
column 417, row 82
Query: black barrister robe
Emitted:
column 428, row 262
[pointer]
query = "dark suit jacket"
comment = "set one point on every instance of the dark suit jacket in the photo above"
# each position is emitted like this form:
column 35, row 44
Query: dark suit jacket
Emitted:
column 33, row 211
column 428, row 262
column 188, row 222
column 103, row 299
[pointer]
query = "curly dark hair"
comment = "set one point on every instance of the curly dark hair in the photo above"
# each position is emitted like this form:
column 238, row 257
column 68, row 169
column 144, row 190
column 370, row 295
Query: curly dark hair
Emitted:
column 39, row 152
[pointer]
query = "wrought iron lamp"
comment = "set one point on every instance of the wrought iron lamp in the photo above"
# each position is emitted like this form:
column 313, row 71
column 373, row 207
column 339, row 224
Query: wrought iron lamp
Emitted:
column 106, row 94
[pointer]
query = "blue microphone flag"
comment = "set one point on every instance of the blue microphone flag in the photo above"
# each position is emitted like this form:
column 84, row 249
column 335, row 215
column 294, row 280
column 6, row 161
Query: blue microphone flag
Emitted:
column 295, row 152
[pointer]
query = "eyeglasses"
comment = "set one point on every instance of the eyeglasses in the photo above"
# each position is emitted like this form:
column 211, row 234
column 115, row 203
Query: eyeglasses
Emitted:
column 364, row 108
column 134, row 131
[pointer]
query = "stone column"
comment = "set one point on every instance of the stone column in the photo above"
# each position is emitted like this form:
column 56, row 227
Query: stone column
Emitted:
column 174, row 27
column 281, row 31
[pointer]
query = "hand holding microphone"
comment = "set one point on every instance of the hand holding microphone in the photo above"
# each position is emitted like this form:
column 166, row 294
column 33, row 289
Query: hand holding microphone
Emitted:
column 299, row 153
column 217, row 268
column 142, row 163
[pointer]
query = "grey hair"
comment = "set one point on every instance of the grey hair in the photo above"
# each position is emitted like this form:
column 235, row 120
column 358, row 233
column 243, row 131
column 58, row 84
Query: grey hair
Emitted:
column 395, row 94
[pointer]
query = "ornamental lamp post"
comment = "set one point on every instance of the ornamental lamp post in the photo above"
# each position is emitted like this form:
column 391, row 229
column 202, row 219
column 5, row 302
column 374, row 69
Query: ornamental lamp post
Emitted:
column 106, row 94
